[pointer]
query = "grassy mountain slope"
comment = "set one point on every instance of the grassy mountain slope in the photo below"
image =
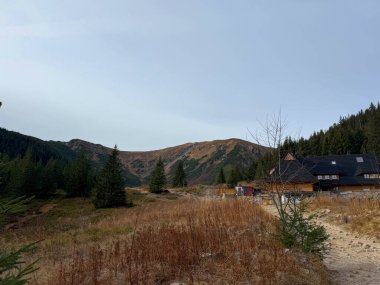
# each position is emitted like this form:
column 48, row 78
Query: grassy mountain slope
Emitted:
column 202, row 160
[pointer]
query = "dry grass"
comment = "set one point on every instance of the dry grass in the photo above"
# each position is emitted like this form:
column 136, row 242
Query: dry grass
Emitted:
column 187, row 240
column 362, row 215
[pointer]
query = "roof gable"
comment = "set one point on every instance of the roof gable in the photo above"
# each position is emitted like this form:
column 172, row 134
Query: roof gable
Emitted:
column 292, row 171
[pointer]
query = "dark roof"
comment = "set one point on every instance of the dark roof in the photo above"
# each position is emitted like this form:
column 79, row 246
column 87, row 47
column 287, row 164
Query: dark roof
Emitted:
column 350, row 168
column 343, row 165
column 292, row 171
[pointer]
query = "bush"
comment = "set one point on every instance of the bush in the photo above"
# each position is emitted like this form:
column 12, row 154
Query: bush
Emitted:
column 12, row 270
column 299, row 230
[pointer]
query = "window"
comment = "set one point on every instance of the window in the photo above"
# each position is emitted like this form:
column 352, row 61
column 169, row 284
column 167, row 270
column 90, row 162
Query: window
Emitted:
column 326, row 177
column 333, row 162
column 359, row 159
column 371, row 176
column 334, row 176
column 320, row 177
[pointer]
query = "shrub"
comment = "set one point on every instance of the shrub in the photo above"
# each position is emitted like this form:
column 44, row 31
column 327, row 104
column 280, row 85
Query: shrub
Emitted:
column 299, row 230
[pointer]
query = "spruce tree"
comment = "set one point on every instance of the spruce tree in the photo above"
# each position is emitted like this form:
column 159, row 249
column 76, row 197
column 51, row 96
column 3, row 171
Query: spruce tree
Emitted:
column 221, row 178
column 374, row 132
column 179, row 179
column 48, row 181
column 79, row 177
column 109, row 188
column 23, row 178
column 157, row 179
column 251, row 171
column 234, row 177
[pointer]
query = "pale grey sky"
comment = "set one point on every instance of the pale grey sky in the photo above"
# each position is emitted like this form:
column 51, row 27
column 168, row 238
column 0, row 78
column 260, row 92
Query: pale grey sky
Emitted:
column 152, row 74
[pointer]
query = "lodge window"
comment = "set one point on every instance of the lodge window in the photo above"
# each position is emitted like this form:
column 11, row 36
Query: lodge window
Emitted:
column 371, row 176
column 326, row 177
column 320, row 177
column 359, row 159
column 334, row 176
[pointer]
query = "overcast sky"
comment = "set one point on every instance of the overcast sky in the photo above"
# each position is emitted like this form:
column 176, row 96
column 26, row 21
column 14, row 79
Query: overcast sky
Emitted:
column 152, row 74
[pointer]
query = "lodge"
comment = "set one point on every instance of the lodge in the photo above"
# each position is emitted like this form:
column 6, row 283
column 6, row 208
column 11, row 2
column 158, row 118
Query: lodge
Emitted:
column 335, row 173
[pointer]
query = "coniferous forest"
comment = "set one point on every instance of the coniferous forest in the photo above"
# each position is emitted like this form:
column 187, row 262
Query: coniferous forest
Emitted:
column 353, row 134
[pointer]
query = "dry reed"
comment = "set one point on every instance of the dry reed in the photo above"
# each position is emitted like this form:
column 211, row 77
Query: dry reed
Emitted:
column 190, row 240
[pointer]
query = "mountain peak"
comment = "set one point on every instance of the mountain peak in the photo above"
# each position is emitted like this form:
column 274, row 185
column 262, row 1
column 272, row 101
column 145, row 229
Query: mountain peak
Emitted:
column 202, row 160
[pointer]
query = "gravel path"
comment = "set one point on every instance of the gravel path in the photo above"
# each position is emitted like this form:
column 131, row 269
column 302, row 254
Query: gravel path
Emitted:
column 352, row 258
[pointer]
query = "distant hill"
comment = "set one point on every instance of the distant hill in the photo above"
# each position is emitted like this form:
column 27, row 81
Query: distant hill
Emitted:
column 14, row 144
column 202, row 160
column 358, row 133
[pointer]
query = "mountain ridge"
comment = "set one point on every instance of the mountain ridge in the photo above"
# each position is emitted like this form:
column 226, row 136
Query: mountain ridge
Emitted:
column 202, row 160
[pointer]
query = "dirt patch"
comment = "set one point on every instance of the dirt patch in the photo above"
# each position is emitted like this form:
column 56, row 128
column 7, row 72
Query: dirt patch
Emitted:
column 22, row 220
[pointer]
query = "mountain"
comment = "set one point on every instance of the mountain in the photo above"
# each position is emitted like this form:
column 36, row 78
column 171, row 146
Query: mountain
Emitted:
column 14, row 144
column 202, row 160
column 359, row 133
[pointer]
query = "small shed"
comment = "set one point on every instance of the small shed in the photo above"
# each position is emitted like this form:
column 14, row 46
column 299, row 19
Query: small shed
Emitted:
column 246, row 190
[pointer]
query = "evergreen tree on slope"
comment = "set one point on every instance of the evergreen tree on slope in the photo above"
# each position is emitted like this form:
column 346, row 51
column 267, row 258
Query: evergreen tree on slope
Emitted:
column 157, row 179
column 109, row 188
column 179, row 179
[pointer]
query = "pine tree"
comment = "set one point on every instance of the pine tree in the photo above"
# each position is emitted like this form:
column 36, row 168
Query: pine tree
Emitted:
column 374, row 132
column 221, row 178
column 23, row 176
column 157, row 179
column 234, row 177
column 13, row 268
column 109, row 188
column 79, row 177
column 260, row 170
column 251, row 171
column 179, row 179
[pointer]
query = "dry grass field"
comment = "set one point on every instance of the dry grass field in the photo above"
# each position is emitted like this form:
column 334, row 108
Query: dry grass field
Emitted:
column 161, row 241
column 362, row 215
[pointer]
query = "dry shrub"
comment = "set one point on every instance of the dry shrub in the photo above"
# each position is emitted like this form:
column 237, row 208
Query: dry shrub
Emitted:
column 191, row 241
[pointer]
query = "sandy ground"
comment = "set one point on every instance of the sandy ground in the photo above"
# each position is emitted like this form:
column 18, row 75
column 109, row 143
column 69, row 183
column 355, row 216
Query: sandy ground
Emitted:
column 352, row 258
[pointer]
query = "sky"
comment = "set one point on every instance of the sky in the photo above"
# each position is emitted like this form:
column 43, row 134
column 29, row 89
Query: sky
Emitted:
column 152, row 74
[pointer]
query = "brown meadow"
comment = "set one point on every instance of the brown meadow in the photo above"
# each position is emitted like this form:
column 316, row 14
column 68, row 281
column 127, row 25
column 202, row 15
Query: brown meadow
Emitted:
column 190, row 240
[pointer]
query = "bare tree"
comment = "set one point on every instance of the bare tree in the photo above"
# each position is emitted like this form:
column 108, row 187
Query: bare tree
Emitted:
column 296, row 229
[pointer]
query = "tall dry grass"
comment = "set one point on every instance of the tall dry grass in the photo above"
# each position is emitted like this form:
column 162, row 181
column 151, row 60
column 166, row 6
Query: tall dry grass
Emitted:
column 362, row 215
column 188, row 240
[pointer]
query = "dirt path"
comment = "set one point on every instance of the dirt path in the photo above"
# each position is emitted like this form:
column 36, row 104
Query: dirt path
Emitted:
column 351, row 259
column 20, row 221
